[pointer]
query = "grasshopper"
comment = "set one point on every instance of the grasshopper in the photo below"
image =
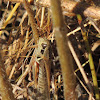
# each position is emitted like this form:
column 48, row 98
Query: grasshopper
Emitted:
column 41, row 54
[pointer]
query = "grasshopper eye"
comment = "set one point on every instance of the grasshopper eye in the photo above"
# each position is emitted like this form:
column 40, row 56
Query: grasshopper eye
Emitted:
column 44, row 45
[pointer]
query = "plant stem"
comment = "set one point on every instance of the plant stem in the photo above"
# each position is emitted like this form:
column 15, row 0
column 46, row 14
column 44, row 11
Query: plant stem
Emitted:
column 32, row 21
column 92, row 67
column 5, row 86
column 63, row 51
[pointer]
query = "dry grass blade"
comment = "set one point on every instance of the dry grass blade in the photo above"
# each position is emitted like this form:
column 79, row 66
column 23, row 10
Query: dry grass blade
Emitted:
column 10, row 16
